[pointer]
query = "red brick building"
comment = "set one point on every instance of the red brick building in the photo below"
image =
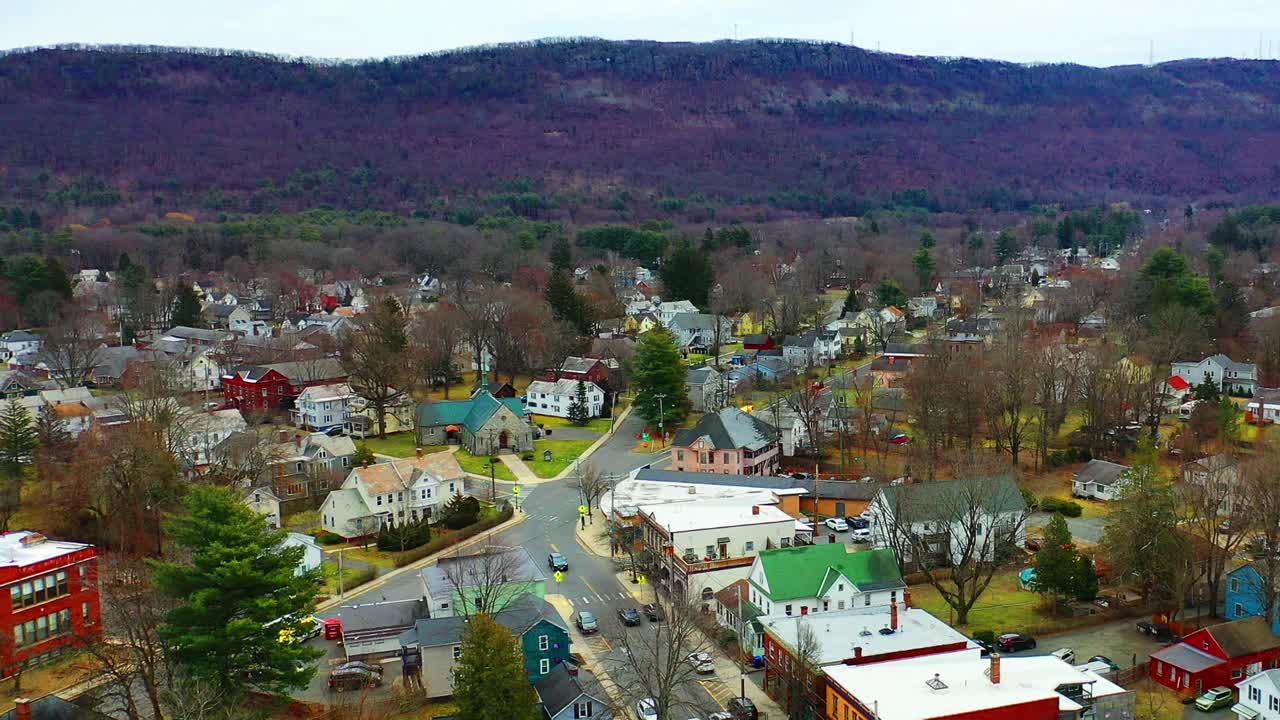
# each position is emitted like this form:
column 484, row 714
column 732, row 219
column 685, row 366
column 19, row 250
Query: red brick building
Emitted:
column 580, row 368
column 1221, row 654
column 51, row 600
column 273, row 388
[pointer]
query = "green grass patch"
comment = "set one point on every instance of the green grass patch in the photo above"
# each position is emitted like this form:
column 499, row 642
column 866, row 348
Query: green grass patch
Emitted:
column 563, row 453
column 1004, row 607
column 351, row 578
column 595, row 425
column 480, row 465
column 371, row 555
column 306, row 519
column 398, row 445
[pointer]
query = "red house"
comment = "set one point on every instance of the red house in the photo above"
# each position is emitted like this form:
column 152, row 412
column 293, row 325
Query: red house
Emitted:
column 1222, row 654
column 252, row 388
column 759, row 341
column 580, row 368
column 52, row 598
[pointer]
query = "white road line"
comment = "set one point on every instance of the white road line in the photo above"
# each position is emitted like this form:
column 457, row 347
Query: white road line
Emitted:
column 586, row 599
column 601, row 598
column 569, row 600
column 552, row 517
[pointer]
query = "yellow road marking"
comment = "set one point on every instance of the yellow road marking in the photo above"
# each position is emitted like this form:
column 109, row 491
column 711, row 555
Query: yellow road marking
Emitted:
column 718, row 690
column 554, row 548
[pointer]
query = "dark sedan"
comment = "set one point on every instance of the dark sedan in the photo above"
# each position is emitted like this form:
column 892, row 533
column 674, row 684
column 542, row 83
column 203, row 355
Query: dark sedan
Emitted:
column 1013, row 642
column 653, row 611
column 629, row 616
column 557, row 562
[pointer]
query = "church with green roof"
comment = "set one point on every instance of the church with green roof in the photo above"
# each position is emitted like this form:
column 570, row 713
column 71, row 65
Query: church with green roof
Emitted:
column 485, row 425
column 822, row 578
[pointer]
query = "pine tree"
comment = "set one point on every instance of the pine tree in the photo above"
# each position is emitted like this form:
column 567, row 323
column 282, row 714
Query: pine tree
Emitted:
column 923, row 264
column 859, row 346
column 1035, row 277
column 656, row 369
column 579, row 413
column 58, row 280
column 17, row 438
column 851, row 304
column 186, row 307
column 688, row 275
column 561, row 255
column 890, row 292
column 489, row 678
column 241, row 598
column 1085, row 585
column 1006, row 246
column 51, row 433
column 566, row 304
column 1056, row 563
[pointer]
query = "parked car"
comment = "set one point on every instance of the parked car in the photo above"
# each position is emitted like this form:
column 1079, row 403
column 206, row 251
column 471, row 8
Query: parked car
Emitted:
column 353, row 678
column 742, row 709
column 1159, row 631
column 335, row 431
column 558, row 562
column 720, row 715
column 586, row 622
column 361, row 665
column 653, row 611
column 1032, row 544
column 629, row 616
column 1106, row 661
column 900, row 439
column 861, row 535
column 837, row 524
column 647, row 709
column 701, row 663
column 1215, row 699
column 800, row 476
column 857, row 522
column 1066, row 655
column 1013, row 642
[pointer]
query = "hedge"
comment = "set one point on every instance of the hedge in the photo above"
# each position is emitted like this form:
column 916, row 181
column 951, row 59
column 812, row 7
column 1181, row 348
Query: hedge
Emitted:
column 446, row 541
column 1058, row 458
column 1069, row 508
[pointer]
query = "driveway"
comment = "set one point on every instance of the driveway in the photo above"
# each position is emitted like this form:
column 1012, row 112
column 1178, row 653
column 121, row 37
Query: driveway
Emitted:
column 1118, row 640
column 1085, row 529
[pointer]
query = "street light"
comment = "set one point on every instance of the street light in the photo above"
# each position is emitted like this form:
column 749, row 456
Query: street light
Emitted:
column 661, row 432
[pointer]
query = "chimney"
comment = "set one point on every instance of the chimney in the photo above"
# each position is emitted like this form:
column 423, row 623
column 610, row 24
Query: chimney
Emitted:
column 418, row 452
column 995, row 668
column 857, row 652
column 284, row 436
column 755, row 509
column 693, row 489
column 364, row 464
column 906, row 599
column 893, row 615
column 573, row 669
column 22, row 706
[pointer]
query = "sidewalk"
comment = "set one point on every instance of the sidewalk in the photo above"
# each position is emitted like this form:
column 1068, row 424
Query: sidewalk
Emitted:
column 523, row 474
column 589, row 537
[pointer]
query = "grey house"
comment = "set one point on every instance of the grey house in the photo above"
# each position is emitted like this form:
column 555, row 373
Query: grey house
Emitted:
column 569, row 692
column 706, row 389
column 1100, row 480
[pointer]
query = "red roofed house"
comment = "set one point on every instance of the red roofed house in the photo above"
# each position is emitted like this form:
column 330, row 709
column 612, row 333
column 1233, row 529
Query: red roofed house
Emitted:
column 1222, row 654
column 580, row 368
column 1179, row 385
column 52, row 602
column 272, row 388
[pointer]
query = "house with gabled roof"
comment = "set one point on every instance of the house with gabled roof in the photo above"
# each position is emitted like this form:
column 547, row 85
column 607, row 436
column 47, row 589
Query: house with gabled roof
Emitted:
column 570, row 692
column 484, row 424
column 1229, row 376
column 1221, row 654
column 827, row 577
column 727, row 441
column 392, row 493
column 1100, row 480
column 967, row 519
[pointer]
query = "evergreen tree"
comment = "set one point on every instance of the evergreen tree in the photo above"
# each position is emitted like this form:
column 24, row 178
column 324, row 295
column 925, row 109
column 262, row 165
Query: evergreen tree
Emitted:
column 688, row 275
column 561, row 255
column 567, row 304
column 51, row 433
column 404, row 536
column 17, row 439
column 851, row 304
column 363, row 456
column 579, row 413
column 656, row 369
column 241, row 598
column 927, row 241
column 1056, row 562
column 459, row 512
column 186, row 307
column 923, row 264
column 859, row 346
column 123, row 263
column 489, row 678
column 890, row 292
column 57, row 279
column 1085, row 588
column 1006, row 246
column 1035, row 277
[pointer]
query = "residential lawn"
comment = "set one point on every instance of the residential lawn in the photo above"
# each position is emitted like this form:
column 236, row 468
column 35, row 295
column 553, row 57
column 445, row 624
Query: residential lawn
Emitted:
column 563, row 453
column 480, row 465
column 462, row 390
column 695, row 359
column 351, row 578
column 49, row 678
column 595, row 425
column 1075, row 420
column 397, row 445
column 1156, row 702
column 1002, row 608
column 1057, row 484
column 302, row 521
column 371, row 555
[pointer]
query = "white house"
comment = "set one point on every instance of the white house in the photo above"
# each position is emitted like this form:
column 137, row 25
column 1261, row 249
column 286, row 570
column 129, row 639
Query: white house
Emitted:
column 1265, row 405
column 666, row 311
column 17, row 342
column 1230, row 376
column 323, row 407
column 312, row 553
column 958, row 521
column 203, row 431
column 827, row 577
column 828, row 346
column 395, row 492
column 264, row 502
column 799, row 350
column 1100, row 480
column 1259, row 696
column 925, row 306
column 554, row 398
column 203, row 371
column 714, row 543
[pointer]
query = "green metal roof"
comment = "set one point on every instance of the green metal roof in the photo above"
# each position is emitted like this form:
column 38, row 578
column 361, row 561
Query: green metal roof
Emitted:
column 809, row 570
column 472, row 414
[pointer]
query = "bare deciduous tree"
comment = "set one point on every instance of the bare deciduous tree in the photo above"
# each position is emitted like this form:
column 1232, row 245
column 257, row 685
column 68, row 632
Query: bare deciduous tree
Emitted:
column 485, row 581
column 655, row 665
column 433, row 341
column 1260, row 480
column 374, row 355
column 1010, row 387
column 72, row 349
column 1215, row 507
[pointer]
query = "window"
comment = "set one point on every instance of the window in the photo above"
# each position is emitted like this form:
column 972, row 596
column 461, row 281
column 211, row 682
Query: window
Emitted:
column 840, row 587
column 544, row 642
column 400, row 496
column 1237, row 673
column 1273, row 702
column 457, row 651
column 749, row 547
column 679, row 456
column 544, row 666
column 826, row 605
column 1159, row 669
column 1235, row 584
column 840, row 605
column 1238, row 611
column 1255, row 694
column 866, row 600
column 582, row 709
column 893, row 596
column 787, row 609
column 711, row 551
column 379, row 499
column 702, row 458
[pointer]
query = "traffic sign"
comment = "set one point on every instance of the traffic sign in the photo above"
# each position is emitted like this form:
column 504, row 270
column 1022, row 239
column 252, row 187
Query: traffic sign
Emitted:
column 559, row 576
column 516, row 491
column 582, row 510
column 642, row 579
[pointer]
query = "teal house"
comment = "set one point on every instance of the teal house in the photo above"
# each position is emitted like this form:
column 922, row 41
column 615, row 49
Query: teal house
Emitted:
column 484, row 425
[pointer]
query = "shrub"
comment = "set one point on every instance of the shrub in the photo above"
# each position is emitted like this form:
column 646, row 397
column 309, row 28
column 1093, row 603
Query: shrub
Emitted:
column 444, row 542
column 987, row 637
column 404, row 536
column 1058, row 458
column 1068, row 508
column 328, row 538
column 459, row 512
column 527, row 457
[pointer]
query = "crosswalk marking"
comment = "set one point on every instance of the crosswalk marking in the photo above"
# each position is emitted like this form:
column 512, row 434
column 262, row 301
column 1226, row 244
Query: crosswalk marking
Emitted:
column 718, row 690
column 586, row 599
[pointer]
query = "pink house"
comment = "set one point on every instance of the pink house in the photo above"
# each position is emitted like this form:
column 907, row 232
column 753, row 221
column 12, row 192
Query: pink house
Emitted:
column 729, row 441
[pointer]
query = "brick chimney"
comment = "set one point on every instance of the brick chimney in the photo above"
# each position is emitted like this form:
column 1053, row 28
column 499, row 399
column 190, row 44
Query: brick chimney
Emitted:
column 418, row 452
column 364, row 464
column 755, row 509
column 893, row 615
column 906, row 598
column 22, row 707
column 857, row 652
column 995, row 668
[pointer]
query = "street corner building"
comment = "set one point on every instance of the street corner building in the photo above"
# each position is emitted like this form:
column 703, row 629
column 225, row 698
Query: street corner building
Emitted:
column 52, row 599
column 1218, row 655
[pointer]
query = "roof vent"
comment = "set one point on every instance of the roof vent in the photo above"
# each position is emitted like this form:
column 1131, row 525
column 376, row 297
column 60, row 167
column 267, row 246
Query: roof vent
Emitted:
column 885, row 631
column 935, row 683
column 865, row 633
column 693, row 489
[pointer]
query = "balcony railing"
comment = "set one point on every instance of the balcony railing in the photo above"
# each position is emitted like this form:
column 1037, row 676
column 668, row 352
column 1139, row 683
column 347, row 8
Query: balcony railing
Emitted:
column 708, row 565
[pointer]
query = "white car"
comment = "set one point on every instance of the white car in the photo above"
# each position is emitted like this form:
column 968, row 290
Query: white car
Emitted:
column 647, row 709
column 861, row 535
column 837, row 524
column 701, row 663
column 1065, row 654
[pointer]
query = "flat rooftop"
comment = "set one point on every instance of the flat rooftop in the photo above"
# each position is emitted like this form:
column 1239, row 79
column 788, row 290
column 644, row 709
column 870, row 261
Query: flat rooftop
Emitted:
column 839, row 632
column 628, row 496
column 953, row 683
column 737, row 512
column 24, row 547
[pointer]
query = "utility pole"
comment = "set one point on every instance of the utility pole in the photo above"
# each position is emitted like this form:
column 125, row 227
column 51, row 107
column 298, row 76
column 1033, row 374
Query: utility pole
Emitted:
column 661, row 418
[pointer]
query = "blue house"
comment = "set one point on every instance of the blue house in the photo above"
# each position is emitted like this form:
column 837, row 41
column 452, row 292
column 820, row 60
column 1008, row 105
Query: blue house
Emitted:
column 1246, row 595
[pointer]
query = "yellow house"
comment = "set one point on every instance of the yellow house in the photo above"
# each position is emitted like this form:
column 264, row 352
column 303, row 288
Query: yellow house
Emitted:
column 362, row 421
column 747, row 324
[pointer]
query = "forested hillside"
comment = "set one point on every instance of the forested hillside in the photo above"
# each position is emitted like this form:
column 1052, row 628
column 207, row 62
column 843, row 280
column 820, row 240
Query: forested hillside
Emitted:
column 596, row 130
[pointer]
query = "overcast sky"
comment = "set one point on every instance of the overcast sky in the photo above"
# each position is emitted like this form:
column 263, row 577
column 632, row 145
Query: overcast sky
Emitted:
column 1093, row 32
